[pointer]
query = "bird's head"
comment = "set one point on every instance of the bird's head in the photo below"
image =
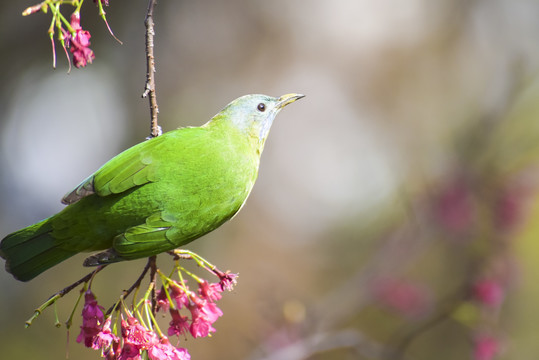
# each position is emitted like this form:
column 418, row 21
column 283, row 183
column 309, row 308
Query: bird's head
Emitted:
column 254, row 114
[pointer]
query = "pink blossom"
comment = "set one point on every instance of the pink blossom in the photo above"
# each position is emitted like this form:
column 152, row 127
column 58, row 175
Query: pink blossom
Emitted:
column 203, row 315
column 162, row 300
column 200, row 327
column 165, row 351
column 210, row 292
column 510, row 207
column 402, row 296
column 455, row 208
column 105, row 337
column 179, row 324
column 211, row 312
column 79, row 43
column 488, row 292
column 178, row 294
column 135, row 334
column 92, row 319
column 113, row 352
column 130, row 352
column 206, row 309
column 227, row 280
column 485, row 347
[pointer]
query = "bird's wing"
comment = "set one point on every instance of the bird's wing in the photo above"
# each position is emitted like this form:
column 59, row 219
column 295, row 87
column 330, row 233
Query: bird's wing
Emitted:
column 162, row 231
column 146, row 239
column 133, row 167
column 139, row 241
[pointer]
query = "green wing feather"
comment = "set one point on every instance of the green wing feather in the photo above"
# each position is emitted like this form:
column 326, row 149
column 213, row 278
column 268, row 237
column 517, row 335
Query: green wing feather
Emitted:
column 133, row 167
column 143, row 240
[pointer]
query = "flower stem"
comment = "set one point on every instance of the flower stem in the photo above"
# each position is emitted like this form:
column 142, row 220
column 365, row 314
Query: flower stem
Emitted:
column 135, row 285
column 81, row 294
column 51, row 300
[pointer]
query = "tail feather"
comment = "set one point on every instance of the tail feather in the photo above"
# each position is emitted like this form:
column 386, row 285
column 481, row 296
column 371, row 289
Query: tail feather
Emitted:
column 32, row 250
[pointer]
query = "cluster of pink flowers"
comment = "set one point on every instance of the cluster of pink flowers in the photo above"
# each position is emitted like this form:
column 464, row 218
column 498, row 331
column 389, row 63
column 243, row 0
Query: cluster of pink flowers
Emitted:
column 136, row 339
column 93, row 320
column 489, row 294
column 78, row 42
column 96, row 333
column 74, row 37
column 201, row 306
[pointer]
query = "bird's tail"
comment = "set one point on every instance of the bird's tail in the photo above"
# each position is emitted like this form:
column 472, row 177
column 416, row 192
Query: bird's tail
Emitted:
column 32, row 250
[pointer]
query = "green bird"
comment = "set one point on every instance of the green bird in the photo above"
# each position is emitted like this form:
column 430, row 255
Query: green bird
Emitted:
column 155, row 196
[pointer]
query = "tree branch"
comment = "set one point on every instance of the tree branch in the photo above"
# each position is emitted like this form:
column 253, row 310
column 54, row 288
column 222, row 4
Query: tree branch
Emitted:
column 152, row 261
column 149, row 89
column 51, row 300
column 136, row 284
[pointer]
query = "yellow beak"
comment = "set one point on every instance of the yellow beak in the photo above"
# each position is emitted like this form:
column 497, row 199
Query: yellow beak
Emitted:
column 288, row 99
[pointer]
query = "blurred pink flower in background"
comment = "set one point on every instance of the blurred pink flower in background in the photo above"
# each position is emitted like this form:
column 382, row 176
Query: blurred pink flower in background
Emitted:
column 488, row 292
column 486, row 347
column 402, row 296
column 454, row 206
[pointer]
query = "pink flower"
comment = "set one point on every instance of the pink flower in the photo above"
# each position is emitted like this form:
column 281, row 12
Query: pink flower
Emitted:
column 135, row 334
column 203, row 315
column 178, row 294
column 227, row 280
column 179, row 324
column 206, row 309
column 402, row 296
column 162, row 300
column 200, row 327
column 129, row 352
column 165, row 351
column 485, row 347
column 80, row 42
column 105, row 337
column 510, row 207
column 454, row 207
column 210, row 292
column 114, row 351
column 488, row 292
column 211, row 312
column 92, row 319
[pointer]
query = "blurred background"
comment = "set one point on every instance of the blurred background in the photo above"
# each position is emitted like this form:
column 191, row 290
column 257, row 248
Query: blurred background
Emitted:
column 395, row 212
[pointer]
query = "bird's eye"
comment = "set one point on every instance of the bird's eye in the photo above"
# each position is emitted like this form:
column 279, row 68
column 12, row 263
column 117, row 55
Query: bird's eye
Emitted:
column 261, row 107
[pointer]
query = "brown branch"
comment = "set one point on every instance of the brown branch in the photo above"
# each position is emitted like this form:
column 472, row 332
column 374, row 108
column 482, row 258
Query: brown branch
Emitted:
column 153, row 274
column 149, row 89
column 136, row 284
column 53, row 298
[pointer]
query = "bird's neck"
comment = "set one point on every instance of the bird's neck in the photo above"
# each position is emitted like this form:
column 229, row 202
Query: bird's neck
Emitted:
column 227, row 128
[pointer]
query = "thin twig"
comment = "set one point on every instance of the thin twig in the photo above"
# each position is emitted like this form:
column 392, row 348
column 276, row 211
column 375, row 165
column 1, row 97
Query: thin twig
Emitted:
column 149, row 89
column 153, row 274
column 135, row 285
column 53, row 298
